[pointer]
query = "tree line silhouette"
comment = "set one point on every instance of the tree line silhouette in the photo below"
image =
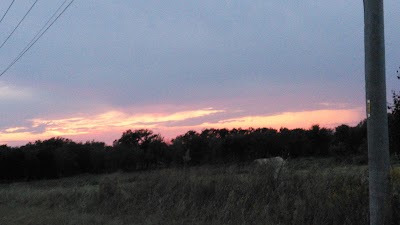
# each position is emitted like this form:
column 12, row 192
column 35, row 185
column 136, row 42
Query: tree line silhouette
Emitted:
column 142, row 149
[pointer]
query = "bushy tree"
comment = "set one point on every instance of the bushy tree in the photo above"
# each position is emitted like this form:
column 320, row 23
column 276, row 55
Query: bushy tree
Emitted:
column 11, row 163
column 298, row 144
column 193, row 144
column 140, row 148
column 320, row 139
column 46, row 155
column 349, row 140
column 138, row 138
column 236, row 147
column 97, row 155
column 263, row 143
column 394, row 121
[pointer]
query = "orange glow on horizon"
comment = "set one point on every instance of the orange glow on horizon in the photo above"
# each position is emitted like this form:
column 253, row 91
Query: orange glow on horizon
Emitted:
column 292, row 120
column 110, row 125
column 108, row 122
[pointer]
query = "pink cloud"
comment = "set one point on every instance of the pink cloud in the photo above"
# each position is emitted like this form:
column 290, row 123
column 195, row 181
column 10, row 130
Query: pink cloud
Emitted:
column 109, row 126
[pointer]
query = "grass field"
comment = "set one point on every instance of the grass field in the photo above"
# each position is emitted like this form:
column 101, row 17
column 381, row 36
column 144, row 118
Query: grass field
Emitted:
column 308, row 191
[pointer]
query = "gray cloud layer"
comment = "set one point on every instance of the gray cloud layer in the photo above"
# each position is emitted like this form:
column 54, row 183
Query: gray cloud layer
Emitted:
column 258, row 56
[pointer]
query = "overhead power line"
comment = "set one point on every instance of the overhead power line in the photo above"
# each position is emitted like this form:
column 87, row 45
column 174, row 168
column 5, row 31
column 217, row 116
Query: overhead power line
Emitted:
column 2, row 18
column 42, row 29
column 23, row 18
column 41, row 32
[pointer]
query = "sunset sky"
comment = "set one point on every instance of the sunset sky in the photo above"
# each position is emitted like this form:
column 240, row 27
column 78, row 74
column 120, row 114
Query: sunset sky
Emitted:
column 178, row 65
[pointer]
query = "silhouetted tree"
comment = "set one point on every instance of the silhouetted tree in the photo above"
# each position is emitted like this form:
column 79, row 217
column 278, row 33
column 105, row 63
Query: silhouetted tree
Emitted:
column 320, row 139
column 11, row 163
column 46, row 155
column 394, row 121
column 193, row 143
column 236, row 146
column 349, row 140
column 264, row 143
column 97, row 152
column 141, row 147
column 66, row 161
column 158, row 153
column 137, row 138
column 299, row 146
column 214, row 139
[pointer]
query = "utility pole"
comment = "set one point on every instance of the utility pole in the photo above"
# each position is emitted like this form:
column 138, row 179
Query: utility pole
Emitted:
column 377, row 122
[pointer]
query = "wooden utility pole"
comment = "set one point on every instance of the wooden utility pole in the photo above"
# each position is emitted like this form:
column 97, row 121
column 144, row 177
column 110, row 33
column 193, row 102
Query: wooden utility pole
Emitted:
column 377, row 122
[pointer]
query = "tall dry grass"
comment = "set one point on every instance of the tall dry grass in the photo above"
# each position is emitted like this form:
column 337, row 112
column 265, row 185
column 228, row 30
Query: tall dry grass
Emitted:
column 306, row 192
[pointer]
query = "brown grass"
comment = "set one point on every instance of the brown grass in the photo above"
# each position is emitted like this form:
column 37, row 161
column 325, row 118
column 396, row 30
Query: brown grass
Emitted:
column 307, row 192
